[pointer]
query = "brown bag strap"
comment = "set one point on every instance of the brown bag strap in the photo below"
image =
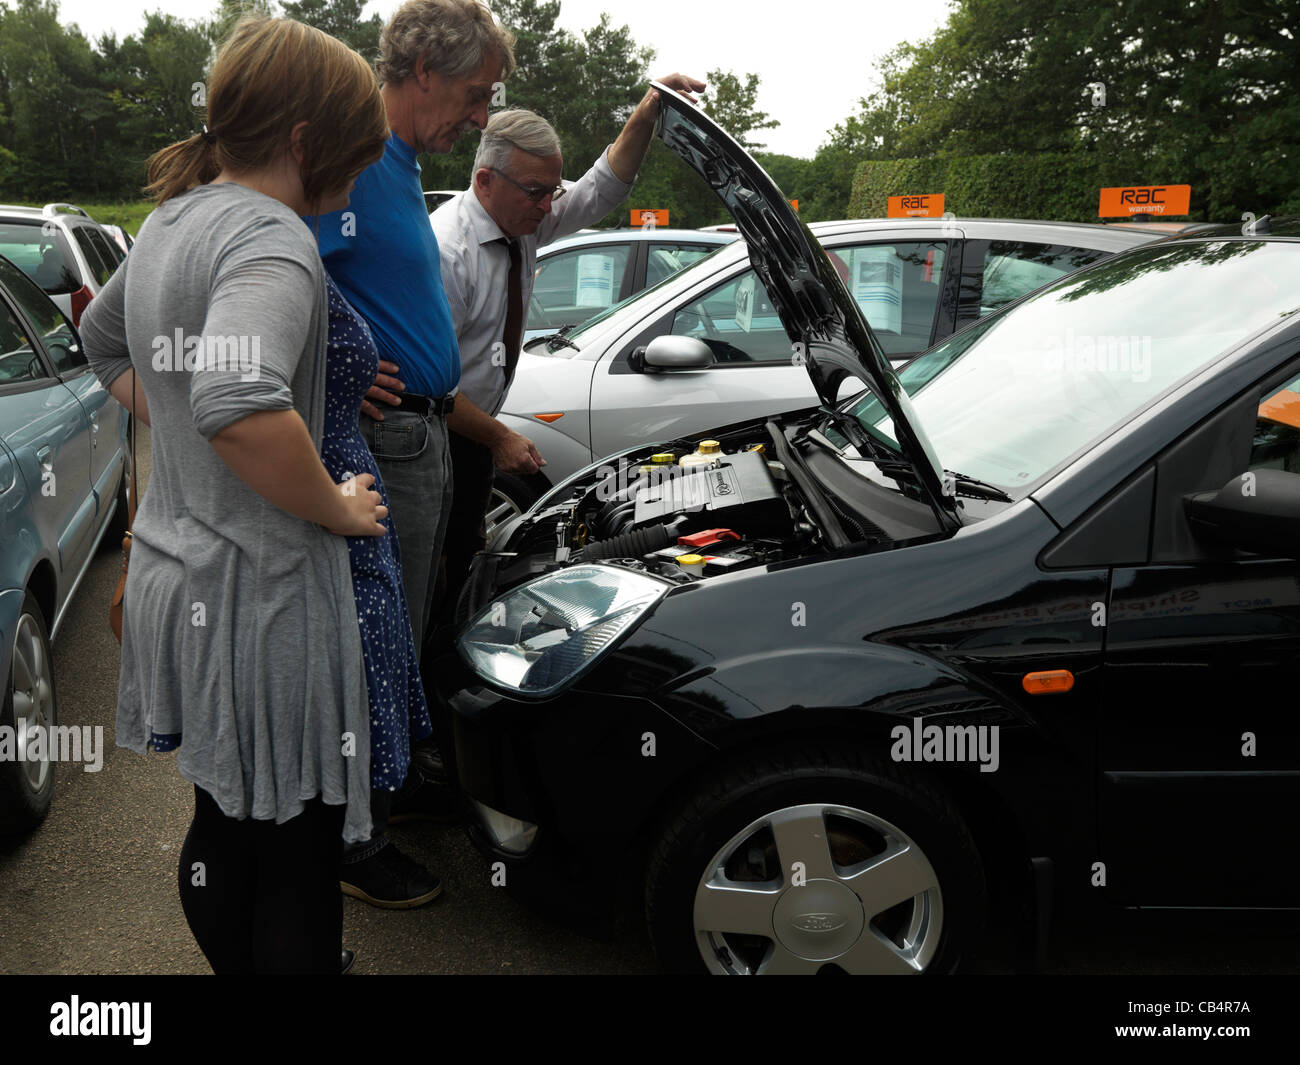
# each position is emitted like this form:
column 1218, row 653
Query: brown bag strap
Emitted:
column 115, row 607
column 130, row 432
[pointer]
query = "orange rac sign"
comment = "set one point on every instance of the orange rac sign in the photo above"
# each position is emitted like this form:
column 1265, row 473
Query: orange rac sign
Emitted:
column 928, row 206
column 1145, row 199
column 650, row 219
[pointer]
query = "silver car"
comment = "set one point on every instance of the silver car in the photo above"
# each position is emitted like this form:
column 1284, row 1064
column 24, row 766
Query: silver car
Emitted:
column 721, row 355
column 583, row 274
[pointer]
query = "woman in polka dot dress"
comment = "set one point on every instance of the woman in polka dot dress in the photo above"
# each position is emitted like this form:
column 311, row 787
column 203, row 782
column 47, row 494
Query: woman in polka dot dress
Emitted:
column 398, row 711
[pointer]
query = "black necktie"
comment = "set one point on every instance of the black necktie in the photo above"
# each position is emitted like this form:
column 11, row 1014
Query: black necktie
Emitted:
column 514, row 308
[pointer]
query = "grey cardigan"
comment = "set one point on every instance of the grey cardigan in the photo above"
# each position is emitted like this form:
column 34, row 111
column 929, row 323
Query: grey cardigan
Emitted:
column 239, row 622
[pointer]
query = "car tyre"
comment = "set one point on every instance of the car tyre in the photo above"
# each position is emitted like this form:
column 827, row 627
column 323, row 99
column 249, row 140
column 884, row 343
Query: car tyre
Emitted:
column 26, row 787
column 890, row 879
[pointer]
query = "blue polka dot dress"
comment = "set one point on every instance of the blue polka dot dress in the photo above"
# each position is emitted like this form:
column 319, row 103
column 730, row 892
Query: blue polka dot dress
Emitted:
column 398, row 711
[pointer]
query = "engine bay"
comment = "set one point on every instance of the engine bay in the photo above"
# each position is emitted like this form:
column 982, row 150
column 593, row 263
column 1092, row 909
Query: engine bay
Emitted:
column 686, row 513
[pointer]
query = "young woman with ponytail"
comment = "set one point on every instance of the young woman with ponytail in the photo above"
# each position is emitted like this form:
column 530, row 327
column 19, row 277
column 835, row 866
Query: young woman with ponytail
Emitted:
column 240, row 642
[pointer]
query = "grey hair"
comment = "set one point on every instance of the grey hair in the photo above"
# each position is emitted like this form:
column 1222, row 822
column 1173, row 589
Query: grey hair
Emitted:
column 455, row 36
column 508, row 130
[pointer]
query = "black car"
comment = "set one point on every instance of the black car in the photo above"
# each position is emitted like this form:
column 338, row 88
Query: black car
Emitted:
column 1017, row 626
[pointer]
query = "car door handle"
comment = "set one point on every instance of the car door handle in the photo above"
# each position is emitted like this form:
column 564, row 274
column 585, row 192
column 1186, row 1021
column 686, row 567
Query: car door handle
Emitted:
column 43, row 456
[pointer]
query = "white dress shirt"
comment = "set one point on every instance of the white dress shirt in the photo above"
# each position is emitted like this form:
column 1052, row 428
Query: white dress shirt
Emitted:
column 475, row 270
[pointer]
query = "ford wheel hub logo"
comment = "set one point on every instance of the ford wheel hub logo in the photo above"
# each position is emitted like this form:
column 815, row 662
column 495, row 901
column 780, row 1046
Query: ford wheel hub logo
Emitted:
column 818, row 922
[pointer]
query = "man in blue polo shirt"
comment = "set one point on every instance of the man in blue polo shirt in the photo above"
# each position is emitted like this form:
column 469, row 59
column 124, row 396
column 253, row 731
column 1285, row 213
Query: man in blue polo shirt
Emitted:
column 440, row 62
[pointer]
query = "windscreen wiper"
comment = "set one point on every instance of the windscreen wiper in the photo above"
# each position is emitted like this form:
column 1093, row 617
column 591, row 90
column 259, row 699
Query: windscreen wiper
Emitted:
column 558, row 337
column 973, row 489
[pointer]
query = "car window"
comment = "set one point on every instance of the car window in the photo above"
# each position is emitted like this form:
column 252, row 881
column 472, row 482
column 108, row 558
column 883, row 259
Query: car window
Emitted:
column 57, row 334
column 896, row 285
column 635, row 304
column 1065, row 368
column 664, row 260
column 1014, row 267
column 1277, row 430
column 42, row 253
column 737, row 320
column 569, row 287
column 99, row 269
column 18, row 360
column 108, row 249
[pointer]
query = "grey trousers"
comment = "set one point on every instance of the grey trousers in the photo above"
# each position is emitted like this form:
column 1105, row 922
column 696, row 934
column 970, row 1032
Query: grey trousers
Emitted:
column 415, row 463
column 411, row 452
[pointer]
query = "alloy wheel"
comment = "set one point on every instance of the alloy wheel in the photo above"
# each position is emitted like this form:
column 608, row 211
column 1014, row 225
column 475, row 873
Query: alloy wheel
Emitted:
column 818, row 887
column 32, row 686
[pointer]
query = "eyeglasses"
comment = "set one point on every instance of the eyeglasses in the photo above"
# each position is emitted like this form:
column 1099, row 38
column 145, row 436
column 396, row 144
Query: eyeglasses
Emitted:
column 536, row 193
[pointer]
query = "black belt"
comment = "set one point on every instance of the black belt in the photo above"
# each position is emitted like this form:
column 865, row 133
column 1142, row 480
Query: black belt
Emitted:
column 426, row 405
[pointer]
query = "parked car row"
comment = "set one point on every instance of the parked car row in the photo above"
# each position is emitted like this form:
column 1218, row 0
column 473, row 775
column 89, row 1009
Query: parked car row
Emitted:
column 62, row 469
column 1014, row 628
column 62, row 492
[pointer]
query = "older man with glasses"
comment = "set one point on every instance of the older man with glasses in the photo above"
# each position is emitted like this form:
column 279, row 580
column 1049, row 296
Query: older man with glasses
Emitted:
column 488, row 237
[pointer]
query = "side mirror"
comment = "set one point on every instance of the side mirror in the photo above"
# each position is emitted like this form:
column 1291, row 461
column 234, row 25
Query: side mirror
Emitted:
column 672, row 353
column 60, row 348
column 1258, row 511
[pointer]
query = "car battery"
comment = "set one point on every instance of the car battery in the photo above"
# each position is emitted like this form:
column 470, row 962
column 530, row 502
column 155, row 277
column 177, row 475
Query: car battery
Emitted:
column 737, row 492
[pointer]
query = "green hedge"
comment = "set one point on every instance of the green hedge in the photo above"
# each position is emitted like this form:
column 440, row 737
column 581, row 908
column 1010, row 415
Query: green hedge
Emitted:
column 1054, row 187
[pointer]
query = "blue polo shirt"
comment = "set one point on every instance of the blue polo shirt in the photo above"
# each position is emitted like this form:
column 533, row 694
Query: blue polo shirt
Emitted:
column 381, row 252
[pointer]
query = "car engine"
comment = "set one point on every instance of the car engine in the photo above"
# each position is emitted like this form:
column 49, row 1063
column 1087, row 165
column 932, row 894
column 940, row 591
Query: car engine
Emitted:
column 731, row 511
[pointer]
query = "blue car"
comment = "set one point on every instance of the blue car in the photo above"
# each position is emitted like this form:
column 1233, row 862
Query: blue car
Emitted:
column 62, row 491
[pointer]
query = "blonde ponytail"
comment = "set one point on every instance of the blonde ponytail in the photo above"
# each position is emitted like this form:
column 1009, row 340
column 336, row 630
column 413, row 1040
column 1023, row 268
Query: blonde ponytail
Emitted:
column 180, row 166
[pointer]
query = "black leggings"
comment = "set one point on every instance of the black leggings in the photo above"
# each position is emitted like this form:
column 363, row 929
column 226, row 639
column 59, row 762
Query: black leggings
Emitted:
column 265, row 897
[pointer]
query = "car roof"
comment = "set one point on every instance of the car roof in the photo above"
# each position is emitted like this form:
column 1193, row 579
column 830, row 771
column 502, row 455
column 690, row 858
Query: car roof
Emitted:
column 619, row 236
column 1161, row 227
column 1264, row 228
column 1099, row 236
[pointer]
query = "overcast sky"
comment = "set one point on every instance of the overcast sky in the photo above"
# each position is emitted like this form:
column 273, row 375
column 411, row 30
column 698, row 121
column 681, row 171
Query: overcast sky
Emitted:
column 814, row 57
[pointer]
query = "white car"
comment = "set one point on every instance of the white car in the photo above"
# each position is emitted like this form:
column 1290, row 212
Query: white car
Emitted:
column 123, row 238
column 603, row 386
column 62, row 249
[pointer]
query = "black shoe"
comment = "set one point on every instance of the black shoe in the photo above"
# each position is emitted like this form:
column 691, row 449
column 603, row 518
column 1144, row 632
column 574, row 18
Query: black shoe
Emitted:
column 349, row 956
column 428, row 800
column 426, row 757
column 391, row 880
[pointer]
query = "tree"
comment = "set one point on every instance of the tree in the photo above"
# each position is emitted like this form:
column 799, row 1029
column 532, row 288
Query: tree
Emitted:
column 1211, row 95
column 47, row 87
column 341, row 19
column 732, row 104
column 231, row 11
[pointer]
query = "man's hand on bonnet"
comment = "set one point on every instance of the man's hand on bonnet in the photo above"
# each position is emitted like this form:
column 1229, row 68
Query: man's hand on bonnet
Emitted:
column 648, row 108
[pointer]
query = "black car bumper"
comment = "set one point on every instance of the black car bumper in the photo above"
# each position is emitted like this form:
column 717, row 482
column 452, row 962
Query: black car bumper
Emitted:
column 564, row 793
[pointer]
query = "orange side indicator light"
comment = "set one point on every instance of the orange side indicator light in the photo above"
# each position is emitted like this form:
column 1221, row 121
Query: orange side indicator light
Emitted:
column 1048, row 681
column 549, row 417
